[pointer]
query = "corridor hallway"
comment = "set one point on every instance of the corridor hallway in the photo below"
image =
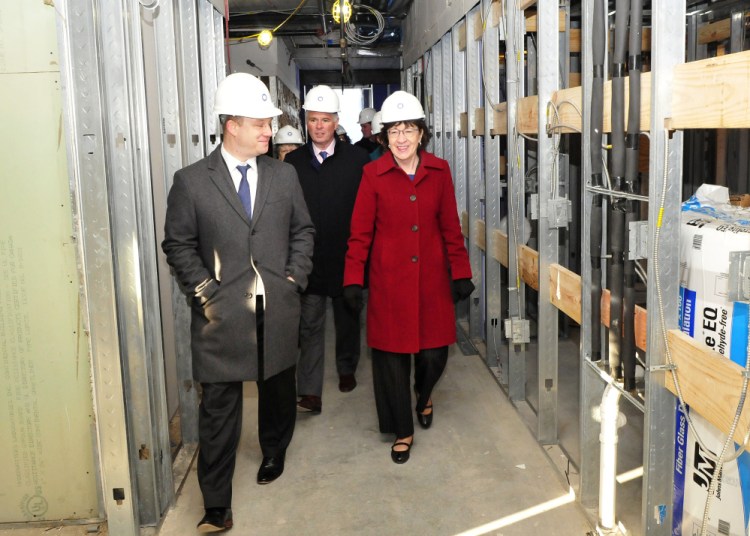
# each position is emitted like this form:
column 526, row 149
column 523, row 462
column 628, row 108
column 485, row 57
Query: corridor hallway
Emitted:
column 477, row 470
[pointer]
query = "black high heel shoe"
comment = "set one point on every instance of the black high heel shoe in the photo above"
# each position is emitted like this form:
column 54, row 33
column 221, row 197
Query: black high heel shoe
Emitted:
column 425, row 421
column 401, row 456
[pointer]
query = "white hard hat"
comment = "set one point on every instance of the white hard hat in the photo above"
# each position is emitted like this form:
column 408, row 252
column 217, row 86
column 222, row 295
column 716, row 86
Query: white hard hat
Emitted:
column 401, row 106
column 321, row 99
column 244, row 95
column 288, row 134
column 366, row 115
column 340, row 130
column 377, row 123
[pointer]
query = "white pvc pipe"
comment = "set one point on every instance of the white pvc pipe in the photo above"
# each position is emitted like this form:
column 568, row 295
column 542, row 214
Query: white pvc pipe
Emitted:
column 609, row 411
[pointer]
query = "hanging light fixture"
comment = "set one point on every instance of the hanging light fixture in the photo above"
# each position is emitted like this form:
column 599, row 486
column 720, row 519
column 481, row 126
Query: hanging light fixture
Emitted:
column 264, row 39
column 341, row 9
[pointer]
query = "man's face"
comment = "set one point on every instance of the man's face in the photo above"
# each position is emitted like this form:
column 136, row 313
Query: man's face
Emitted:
column 285, row 149
column 366, row 129
column 252, row 135
column 321, row 127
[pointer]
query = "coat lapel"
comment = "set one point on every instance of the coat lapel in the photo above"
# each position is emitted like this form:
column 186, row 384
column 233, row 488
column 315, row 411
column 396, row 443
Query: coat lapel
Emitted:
column 264, row 185
column 219, row 175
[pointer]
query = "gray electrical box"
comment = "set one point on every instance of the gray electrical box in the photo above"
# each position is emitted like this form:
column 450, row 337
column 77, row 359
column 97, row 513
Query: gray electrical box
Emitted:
column 517, row 330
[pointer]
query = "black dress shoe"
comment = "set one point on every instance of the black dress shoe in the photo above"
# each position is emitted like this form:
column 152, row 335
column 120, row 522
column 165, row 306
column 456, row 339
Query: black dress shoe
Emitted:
column 270, row 469
column 425, row 421
column 401, row 456
column 347, row 383
column 216, row 520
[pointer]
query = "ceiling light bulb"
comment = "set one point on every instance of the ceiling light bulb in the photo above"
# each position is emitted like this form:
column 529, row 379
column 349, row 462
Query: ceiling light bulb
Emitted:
column 338, row 9
column 264, row 38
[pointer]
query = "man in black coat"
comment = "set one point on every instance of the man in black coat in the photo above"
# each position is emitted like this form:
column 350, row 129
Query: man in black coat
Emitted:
column 329, row 172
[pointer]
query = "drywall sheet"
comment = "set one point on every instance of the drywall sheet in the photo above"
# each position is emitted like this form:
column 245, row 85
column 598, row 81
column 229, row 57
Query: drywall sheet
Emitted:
column 47, row 465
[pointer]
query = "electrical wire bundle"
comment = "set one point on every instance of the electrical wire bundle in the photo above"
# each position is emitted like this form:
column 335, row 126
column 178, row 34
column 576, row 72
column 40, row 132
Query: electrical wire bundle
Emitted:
column 356, row 37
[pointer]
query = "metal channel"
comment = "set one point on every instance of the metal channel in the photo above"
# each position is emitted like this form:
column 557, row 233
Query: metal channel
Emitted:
column 429, row 96
column 493, row 189
column 460, row 176
column 514, row 43
column 209, row 78
column 437, row 99
column 448, row 129
column 591, row 385
column 193, row 149
column 134, row 250
column 548, row 77
column 476, row 171
column 667, row 50
column 83, row 110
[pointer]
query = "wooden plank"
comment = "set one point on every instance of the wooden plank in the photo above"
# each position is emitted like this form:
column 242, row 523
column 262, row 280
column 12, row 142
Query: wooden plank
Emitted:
column 567, row 100
column 496, row 13
column 710, row 383
column 503, row 166
column 712, row 93
column 528, row 261
column 479, row 236
column 478, row 129
column 640, row 320
column 499, row 120
column 465, row 224
column 463, row 119
column 574, row 40
column 565, row 291
column 500, row 247
column 527, row 115
column 715, row 31
column 531, row 22
column 574, row 79
column 462, row 36
column 527, row 3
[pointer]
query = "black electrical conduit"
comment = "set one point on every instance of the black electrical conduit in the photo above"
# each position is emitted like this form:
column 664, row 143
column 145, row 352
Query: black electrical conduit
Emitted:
column 616, row 215
column 596, row 126
column 631, row 186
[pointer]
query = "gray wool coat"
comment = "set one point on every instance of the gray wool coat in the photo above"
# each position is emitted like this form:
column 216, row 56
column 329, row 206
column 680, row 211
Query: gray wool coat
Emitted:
column 209, row 242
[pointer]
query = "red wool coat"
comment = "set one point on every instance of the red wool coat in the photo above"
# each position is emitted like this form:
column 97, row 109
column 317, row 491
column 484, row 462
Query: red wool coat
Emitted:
column 410, row 230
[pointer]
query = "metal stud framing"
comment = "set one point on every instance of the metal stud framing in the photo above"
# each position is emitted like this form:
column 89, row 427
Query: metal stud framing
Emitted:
column 460, row 175
column 211, row 66
column 667, row 50
column 515, row 30
column 476, row 170
column 448, row 129
column 493, row 188
column 87, row 163
column 436, row 99
column 549, row 192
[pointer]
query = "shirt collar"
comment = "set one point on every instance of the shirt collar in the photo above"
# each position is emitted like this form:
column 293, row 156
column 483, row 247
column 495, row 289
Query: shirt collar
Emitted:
column 232, row 162
column 328, row 149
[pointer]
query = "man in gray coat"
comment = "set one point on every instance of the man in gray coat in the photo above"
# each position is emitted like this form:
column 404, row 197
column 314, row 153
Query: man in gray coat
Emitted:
column 239, row 239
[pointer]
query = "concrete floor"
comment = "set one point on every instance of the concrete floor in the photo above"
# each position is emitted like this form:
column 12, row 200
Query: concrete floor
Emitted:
column 478, row 470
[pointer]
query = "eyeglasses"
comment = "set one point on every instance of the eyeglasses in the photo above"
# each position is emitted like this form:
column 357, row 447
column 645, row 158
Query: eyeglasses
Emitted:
column 408, row 132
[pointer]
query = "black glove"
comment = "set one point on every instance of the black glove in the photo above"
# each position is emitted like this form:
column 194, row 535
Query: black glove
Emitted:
column 461, row 289
column 353, row 298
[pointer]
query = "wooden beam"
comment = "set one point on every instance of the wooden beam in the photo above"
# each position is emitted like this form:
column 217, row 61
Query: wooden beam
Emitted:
column 478, row 129
column 527, row 3
column 479, row 236
column 715, row 31
column 527, row 110
column 478, row 25
column 500, row 247
column 465, row 224
column 463, row 120
column 712, row 93
column 528, row 259
column 499, row 120
column 710, row 383
column 531, row 22
column 462, row 36
column 641, row 317
column 574, row 40
column 574, row 79
column 565, row 291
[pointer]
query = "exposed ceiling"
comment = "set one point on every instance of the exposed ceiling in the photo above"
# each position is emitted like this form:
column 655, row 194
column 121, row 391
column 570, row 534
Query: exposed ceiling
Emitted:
column 313, row 39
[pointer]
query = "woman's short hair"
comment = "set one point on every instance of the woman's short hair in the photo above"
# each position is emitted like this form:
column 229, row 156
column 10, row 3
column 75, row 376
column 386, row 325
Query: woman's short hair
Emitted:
column 419, row 123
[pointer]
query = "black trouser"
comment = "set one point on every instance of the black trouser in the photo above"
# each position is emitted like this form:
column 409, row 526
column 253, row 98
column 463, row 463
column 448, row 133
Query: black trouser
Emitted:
column 391, row 373
column 220, row 425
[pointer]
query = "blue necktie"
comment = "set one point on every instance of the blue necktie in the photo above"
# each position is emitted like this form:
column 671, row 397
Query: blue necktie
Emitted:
column 323, row 155
column 244, row 191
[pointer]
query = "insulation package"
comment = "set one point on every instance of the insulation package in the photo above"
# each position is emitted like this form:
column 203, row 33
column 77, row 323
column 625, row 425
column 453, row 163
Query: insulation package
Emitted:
column 712, row 233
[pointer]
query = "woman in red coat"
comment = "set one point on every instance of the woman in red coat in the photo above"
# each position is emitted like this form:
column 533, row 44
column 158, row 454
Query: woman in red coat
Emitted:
column 406, row 222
